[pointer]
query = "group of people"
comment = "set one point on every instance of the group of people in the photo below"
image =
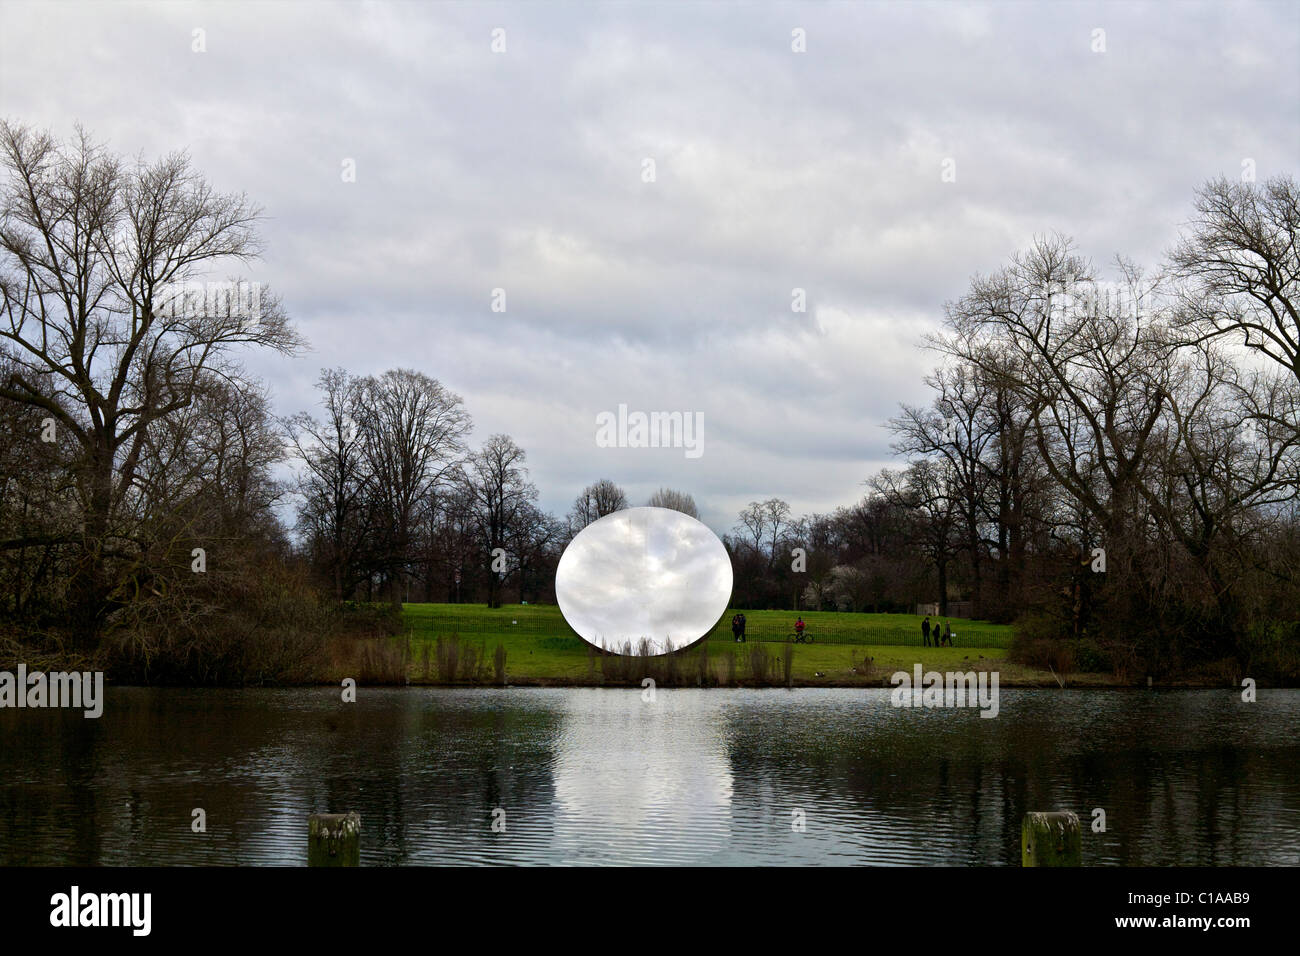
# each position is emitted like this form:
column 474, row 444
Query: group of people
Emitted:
column 738, row 627
column 940, row 637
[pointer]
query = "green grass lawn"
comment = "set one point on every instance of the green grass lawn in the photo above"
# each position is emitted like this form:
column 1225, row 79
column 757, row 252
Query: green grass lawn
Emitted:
column 541, row 647
column 825, row 627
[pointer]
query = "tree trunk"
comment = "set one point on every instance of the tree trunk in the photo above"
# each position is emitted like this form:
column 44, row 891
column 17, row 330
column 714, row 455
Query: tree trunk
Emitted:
column 88, row 587
column 942, row 567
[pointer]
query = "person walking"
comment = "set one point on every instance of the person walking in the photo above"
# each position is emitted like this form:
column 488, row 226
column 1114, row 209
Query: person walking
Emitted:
column 925, row 631
column 742, row 627
column 735, row 628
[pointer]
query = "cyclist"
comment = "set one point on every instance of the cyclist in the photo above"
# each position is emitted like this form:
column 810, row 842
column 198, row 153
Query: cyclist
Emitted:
column 799, row 625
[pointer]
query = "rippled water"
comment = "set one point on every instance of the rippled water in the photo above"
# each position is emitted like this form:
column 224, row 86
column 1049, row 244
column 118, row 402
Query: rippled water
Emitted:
column 599, row 776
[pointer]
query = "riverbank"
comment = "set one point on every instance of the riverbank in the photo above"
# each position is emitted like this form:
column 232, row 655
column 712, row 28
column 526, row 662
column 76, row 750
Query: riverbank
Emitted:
column 812, row 667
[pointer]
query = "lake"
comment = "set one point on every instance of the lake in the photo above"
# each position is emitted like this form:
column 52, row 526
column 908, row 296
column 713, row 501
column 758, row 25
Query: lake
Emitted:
column 598, row 776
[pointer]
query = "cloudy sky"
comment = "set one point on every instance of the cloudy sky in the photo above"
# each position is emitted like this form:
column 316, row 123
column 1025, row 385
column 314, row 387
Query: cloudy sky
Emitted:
column 774, row 170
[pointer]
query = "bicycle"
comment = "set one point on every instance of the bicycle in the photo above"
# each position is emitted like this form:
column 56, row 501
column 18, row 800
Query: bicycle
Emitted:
column 800, row 637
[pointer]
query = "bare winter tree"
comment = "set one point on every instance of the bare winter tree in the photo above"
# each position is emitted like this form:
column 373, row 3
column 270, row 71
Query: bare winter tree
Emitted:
column 1096, row 374
column 1239, row 265
column 1241, row 259
column 928, row 491
column 413, row 432
column 535, row 541
column 596, row 500
column 451, row 548
column 38, row 508
column 778, row 523
column 203, row 480
column 956, row 427
column 763, row 525
column 96, row 256
column 674, row 500
column 335, row 513
column 500, row 495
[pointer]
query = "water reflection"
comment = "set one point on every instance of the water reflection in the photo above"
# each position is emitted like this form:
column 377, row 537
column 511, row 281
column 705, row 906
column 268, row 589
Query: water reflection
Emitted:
column 601, row 776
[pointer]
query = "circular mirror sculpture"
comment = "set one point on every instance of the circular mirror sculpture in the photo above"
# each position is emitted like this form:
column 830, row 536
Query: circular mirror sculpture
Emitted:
column 643, row 581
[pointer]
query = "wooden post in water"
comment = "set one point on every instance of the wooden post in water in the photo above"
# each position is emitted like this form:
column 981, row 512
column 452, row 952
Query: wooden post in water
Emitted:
column 1051, row 839
column 334, row 839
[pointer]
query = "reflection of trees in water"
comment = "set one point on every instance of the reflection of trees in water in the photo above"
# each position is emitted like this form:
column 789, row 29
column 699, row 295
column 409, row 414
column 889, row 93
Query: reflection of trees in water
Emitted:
column 945, row 787
column 705, row 776
column 443, row 771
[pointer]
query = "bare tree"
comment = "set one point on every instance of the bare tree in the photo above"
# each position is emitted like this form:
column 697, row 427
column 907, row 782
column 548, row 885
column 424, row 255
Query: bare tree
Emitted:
column 1239, row 266
column 763, row 524
column 413, row 432
column 927, row 491
column 93, row 252
column 451, row 549
column 751, row 523
column 596, row 500
column 203, row 480
column 335, row 511
column 675, row 501
column 535, row 540
column 777, row 519
column 500, row 494
column 38, row 508
column 1096, row 377
column 956, row 427
column 1241, row 260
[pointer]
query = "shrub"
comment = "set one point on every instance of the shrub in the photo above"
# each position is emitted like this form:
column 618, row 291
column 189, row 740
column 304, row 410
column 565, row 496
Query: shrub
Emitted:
column 1091, row 658
column 270, row 629
column 371, row 618
column 1271, row 649
column 1054, row 654
column 1040, row 627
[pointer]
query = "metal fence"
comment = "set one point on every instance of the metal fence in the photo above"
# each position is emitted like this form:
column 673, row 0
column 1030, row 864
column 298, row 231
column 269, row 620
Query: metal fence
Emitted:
column 854, row 629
